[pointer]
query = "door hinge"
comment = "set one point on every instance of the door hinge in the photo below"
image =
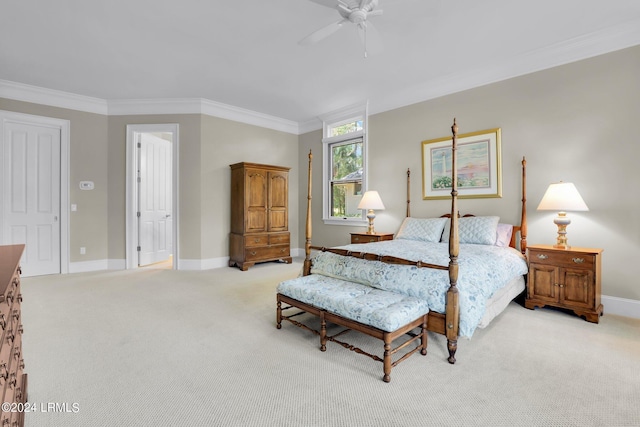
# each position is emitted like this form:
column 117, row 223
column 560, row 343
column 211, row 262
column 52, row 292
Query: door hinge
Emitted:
column 139, row 145
column 138, row 213
column 138, row 249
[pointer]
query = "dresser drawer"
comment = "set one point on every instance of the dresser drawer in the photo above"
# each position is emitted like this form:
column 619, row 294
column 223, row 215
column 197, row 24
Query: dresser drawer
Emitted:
column 269, row 252
column 561, row 259
column 279, row 239
column 253, row 240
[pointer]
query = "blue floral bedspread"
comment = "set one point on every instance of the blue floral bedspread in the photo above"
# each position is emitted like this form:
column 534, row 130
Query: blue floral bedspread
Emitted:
column 483, row 269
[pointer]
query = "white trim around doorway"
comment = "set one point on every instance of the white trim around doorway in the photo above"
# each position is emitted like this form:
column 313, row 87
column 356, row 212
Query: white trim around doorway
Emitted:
column 132, row 192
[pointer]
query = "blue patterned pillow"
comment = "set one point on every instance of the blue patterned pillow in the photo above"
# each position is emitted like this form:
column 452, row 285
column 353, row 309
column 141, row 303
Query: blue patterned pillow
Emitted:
column 480, row 230
column 422, row 229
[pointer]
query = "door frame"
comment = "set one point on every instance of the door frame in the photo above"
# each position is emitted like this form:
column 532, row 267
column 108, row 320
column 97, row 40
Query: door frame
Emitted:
column 65, row 138
column 132, row 191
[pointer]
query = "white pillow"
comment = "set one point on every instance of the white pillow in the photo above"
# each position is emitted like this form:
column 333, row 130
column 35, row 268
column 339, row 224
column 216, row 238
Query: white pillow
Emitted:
column 480, row 230
column 422, row 229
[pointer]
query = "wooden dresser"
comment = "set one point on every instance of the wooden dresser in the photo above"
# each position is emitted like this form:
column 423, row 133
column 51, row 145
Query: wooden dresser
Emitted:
column 259, row 214
column 13, row 380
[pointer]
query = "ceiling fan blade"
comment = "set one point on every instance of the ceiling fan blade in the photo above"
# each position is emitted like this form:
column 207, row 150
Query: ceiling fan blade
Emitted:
column 333, row 4
column 323, row 32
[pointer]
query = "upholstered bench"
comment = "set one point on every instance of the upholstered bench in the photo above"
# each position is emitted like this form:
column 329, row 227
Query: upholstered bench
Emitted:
column 379, row 313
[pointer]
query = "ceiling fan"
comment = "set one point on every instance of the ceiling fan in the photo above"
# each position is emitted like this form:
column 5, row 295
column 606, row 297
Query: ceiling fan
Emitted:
column 354, row 11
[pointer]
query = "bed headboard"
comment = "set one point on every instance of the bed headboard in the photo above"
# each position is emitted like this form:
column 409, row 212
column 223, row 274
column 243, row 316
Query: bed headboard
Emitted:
column 520, row 230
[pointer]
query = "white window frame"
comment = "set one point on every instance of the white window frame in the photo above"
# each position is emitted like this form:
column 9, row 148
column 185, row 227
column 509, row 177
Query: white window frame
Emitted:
column 329, row 121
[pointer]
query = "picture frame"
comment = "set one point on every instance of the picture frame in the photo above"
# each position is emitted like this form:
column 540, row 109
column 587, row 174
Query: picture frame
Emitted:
column 478, row 158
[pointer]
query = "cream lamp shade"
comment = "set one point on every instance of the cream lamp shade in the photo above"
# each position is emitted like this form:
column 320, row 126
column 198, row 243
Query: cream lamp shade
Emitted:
column 372, row 202
column 562, row 197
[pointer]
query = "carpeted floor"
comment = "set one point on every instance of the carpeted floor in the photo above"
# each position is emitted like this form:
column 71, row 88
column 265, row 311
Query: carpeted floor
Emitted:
column 154, row 347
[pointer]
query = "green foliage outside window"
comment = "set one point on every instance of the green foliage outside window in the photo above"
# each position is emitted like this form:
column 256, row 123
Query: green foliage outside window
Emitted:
column 346, row 175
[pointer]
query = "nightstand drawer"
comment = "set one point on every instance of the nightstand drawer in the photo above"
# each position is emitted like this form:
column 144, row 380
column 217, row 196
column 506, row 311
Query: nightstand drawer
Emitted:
column 370, row 238
column 560, row 259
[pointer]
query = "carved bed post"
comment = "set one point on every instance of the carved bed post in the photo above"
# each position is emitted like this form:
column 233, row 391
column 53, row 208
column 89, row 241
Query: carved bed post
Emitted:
column 523, row 219
column 306, row 270
column 452, row 314
column 408, row 193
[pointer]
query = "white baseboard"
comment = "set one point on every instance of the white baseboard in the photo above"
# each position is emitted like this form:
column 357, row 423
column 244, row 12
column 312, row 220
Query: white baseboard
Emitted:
column 86, row 266
column 203, row 264
column 621, row 306
column 117, row 264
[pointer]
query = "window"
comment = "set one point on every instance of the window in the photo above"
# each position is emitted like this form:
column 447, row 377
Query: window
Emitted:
column 344, row 176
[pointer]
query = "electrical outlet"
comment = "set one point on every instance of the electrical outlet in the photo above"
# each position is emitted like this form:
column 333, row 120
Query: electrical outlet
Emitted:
column 83, row 250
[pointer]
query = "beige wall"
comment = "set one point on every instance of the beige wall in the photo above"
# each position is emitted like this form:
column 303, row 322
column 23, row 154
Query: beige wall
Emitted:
column 224, row 143
column 573, row 123
column 88, row 160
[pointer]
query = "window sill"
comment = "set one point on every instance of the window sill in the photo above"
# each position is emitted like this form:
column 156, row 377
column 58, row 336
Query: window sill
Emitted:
column 346, row 221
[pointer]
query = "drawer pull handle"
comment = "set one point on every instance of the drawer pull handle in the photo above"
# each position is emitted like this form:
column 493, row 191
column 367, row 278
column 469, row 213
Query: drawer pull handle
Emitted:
column 283, row 250
column 256, row 240
column 542, row 256
column 253, row 253
column 356, row 239
column 578, row 260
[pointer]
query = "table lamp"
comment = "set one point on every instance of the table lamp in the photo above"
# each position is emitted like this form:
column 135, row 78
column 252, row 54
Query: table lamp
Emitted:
column 562, row 197
column 371, row 201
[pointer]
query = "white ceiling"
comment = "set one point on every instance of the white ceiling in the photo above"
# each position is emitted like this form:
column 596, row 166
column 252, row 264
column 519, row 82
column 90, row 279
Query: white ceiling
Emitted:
column 245, row 53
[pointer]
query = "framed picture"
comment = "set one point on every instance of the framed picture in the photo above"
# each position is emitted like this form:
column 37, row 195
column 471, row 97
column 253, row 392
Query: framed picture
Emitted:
column 479, row 166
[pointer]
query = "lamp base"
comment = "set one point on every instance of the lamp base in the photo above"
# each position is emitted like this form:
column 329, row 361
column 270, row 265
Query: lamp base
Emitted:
column 371, row 215
column 562, row 221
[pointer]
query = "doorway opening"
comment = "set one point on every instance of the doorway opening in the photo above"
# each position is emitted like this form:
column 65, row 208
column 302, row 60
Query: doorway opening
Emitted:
column 152, row 196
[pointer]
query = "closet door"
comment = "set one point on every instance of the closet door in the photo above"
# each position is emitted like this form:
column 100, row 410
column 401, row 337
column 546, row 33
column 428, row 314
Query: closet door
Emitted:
column 278, row 195
column 256, row 200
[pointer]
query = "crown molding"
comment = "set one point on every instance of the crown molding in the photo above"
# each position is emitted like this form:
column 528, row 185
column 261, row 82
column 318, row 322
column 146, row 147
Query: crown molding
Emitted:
column 230, row 112
column 126, row 107
column 132, row 107
column 52, row 97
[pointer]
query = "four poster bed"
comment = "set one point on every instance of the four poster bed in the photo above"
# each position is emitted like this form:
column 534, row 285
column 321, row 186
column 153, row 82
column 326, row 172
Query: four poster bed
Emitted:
column 416, row 283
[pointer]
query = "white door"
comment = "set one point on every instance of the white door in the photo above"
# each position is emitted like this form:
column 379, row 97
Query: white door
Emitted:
column 154, row 198
column 31, row 195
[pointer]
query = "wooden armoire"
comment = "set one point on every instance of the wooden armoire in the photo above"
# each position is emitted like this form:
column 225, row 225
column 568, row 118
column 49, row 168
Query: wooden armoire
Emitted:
column 259, row 214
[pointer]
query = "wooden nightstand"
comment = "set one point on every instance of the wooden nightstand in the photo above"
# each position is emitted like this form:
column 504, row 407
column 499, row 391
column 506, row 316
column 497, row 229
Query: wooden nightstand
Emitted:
column 565, row 278
column 369, row 238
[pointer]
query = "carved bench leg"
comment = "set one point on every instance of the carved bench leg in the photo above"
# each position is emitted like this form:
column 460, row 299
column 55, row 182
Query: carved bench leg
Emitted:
column 323, row 332
column 452, row 345
column 279, row 315
column 387, row 359
column 423, row 337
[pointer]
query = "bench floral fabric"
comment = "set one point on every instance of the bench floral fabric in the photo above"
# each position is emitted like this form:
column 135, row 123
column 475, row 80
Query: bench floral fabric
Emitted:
column 365, row 304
